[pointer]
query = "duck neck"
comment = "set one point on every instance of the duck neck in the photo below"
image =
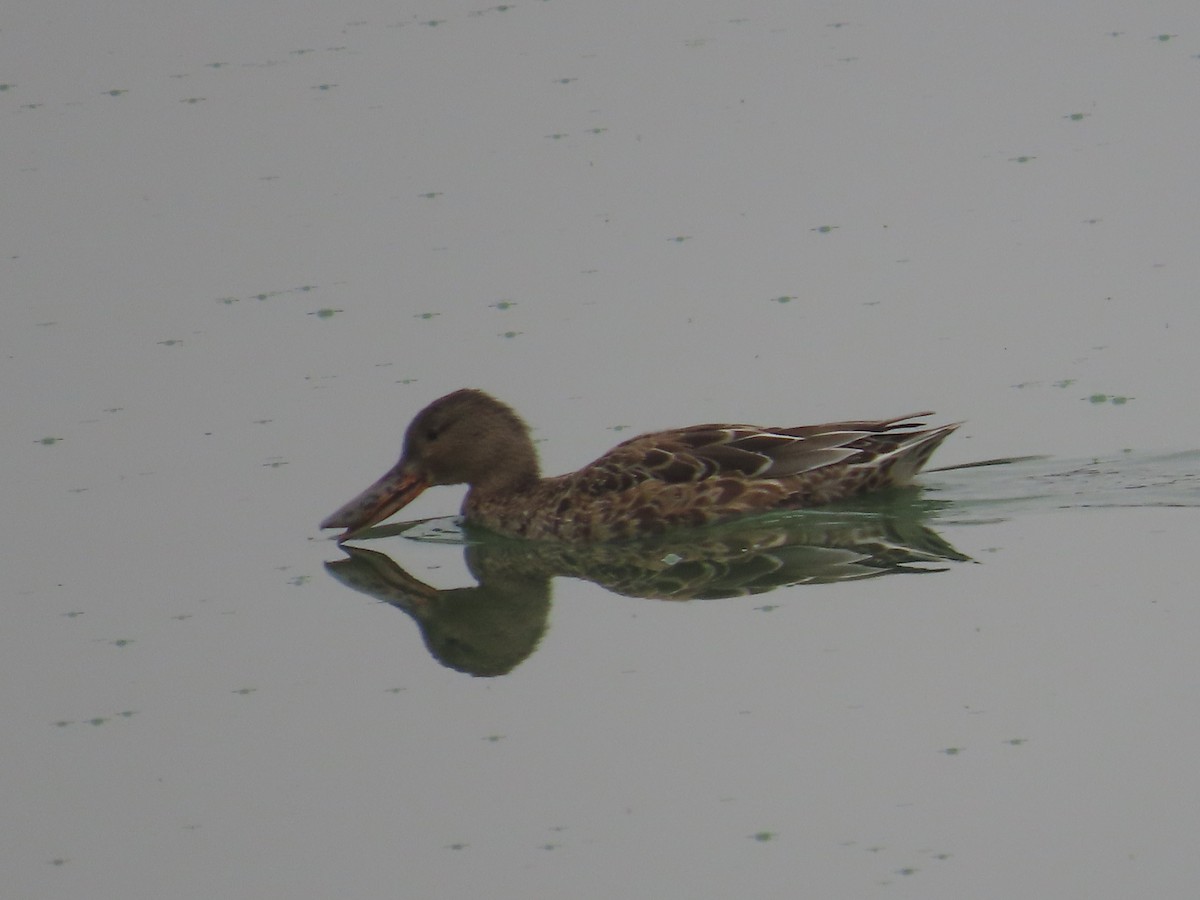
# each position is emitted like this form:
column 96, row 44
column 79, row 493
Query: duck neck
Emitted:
column 516, row 468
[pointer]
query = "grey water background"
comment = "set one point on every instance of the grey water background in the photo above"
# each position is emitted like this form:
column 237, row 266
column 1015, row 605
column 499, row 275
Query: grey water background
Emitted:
column 244, row 243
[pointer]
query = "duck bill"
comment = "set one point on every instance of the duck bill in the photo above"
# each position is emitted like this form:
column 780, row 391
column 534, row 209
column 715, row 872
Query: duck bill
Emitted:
column 395, row 490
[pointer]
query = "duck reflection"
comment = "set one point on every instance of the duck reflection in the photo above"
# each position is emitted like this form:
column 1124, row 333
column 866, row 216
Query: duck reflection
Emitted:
column 489, row 629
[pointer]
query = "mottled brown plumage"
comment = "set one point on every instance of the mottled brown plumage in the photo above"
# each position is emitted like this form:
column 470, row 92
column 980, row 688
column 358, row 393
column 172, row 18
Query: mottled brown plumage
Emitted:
column 646, row 485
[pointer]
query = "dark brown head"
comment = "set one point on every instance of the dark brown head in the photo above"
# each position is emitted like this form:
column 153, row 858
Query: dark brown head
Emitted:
column 470, row 437
column 466, row 437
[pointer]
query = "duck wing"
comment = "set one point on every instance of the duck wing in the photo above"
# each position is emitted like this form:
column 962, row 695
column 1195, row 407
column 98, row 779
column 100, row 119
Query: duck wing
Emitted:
column 746, row 452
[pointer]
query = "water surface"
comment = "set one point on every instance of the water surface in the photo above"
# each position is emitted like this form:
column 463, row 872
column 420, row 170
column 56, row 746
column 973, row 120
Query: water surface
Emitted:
column 243, row 249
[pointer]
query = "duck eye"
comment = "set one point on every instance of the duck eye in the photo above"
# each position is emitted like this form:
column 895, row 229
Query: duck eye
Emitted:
column 431, row 434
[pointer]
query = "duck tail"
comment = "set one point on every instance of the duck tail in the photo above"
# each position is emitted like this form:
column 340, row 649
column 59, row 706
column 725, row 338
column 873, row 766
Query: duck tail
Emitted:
column 912, row 452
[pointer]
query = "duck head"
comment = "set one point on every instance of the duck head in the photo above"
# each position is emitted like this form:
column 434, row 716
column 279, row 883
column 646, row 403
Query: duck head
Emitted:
column 467, row 437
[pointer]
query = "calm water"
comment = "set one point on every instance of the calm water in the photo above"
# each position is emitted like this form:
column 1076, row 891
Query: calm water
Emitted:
column 243, row 249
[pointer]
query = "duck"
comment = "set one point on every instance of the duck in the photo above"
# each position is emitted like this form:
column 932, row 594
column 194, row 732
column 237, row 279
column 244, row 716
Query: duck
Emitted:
column 683, row 477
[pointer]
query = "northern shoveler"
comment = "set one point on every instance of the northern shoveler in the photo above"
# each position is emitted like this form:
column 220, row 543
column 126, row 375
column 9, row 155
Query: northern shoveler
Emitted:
column 645, row 485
